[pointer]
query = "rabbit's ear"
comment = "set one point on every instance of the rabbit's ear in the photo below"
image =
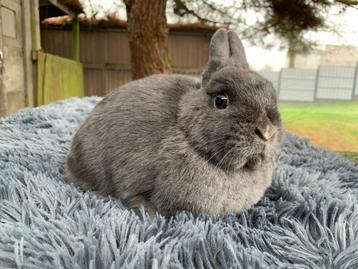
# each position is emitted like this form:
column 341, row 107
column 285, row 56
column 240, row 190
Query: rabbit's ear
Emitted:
column 219, row 52
column 225, row 49
column 219, row 49
column 237, row 51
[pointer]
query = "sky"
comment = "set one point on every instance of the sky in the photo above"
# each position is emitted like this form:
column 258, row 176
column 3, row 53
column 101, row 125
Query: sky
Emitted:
column 347, row 26
column 258, row 57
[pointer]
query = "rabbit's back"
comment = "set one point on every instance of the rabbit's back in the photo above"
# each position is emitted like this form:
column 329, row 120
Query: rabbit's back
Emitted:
column 115, row 150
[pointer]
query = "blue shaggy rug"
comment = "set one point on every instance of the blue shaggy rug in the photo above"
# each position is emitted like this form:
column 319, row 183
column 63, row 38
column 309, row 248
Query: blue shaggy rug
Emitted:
column 307, row 219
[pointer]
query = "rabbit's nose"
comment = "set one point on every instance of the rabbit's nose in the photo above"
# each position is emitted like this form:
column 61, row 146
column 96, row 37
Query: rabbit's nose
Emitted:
column 265, row 131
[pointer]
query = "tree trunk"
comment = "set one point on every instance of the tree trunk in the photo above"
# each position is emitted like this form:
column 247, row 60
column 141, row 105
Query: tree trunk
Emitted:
column 291, row 53
column 291, row 58
column 147, row 30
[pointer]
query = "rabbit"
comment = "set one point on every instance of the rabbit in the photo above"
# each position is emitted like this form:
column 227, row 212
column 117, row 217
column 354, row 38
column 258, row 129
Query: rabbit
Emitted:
column 172, row 143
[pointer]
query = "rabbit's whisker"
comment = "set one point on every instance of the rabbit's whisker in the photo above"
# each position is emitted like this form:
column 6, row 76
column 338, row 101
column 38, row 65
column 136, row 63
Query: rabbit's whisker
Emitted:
column 212, row 156
column 213, row 141
column 223, row 158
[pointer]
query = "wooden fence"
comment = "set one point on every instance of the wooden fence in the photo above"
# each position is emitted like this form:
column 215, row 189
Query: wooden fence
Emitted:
column 105, row 54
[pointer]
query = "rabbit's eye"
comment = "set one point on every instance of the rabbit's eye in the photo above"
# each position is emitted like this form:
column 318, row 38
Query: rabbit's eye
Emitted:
column 221, row 101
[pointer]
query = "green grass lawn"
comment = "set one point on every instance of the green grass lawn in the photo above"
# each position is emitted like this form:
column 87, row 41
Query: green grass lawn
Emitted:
column 331, row 125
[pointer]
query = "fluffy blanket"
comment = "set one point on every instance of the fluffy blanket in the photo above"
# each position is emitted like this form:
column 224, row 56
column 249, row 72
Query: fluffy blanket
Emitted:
column 307, row 219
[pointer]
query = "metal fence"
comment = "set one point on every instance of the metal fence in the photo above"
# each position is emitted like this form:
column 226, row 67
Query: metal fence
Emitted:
column 310, row 85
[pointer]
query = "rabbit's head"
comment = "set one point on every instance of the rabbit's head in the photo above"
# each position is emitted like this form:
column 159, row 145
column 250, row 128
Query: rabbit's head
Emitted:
column 232, row 121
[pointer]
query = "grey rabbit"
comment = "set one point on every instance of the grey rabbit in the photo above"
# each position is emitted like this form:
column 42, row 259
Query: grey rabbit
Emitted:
column 174, row 142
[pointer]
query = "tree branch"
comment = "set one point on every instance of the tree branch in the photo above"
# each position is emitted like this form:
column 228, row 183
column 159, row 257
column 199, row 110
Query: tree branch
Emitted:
column 348, row 2
column 182, row 9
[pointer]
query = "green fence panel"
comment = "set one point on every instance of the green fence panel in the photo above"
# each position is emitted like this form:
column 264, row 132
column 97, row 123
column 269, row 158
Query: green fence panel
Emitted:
column 58, row 78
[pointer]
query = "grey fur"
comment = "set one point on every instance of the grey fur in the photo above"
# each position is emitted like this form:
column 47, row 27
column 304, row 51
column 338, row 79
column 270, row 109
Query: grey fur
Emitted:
column 160, row 142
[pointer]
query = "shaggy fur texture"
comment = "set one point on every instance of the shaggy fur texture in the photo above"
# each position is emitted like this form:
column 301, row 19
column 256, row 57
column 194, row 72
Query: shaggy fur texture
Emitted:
column 307, row 219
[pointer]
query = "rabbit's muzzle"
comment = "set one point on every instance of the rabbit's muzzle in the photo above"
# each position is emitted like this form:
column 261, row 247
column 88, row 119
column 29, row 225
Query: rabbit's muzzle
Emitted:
column 265, row 130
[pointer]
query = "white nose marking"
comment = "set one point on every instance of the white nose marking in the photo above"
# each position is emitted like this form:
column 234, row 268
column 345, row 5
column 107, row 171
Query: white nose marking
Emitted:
column 266, row 134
